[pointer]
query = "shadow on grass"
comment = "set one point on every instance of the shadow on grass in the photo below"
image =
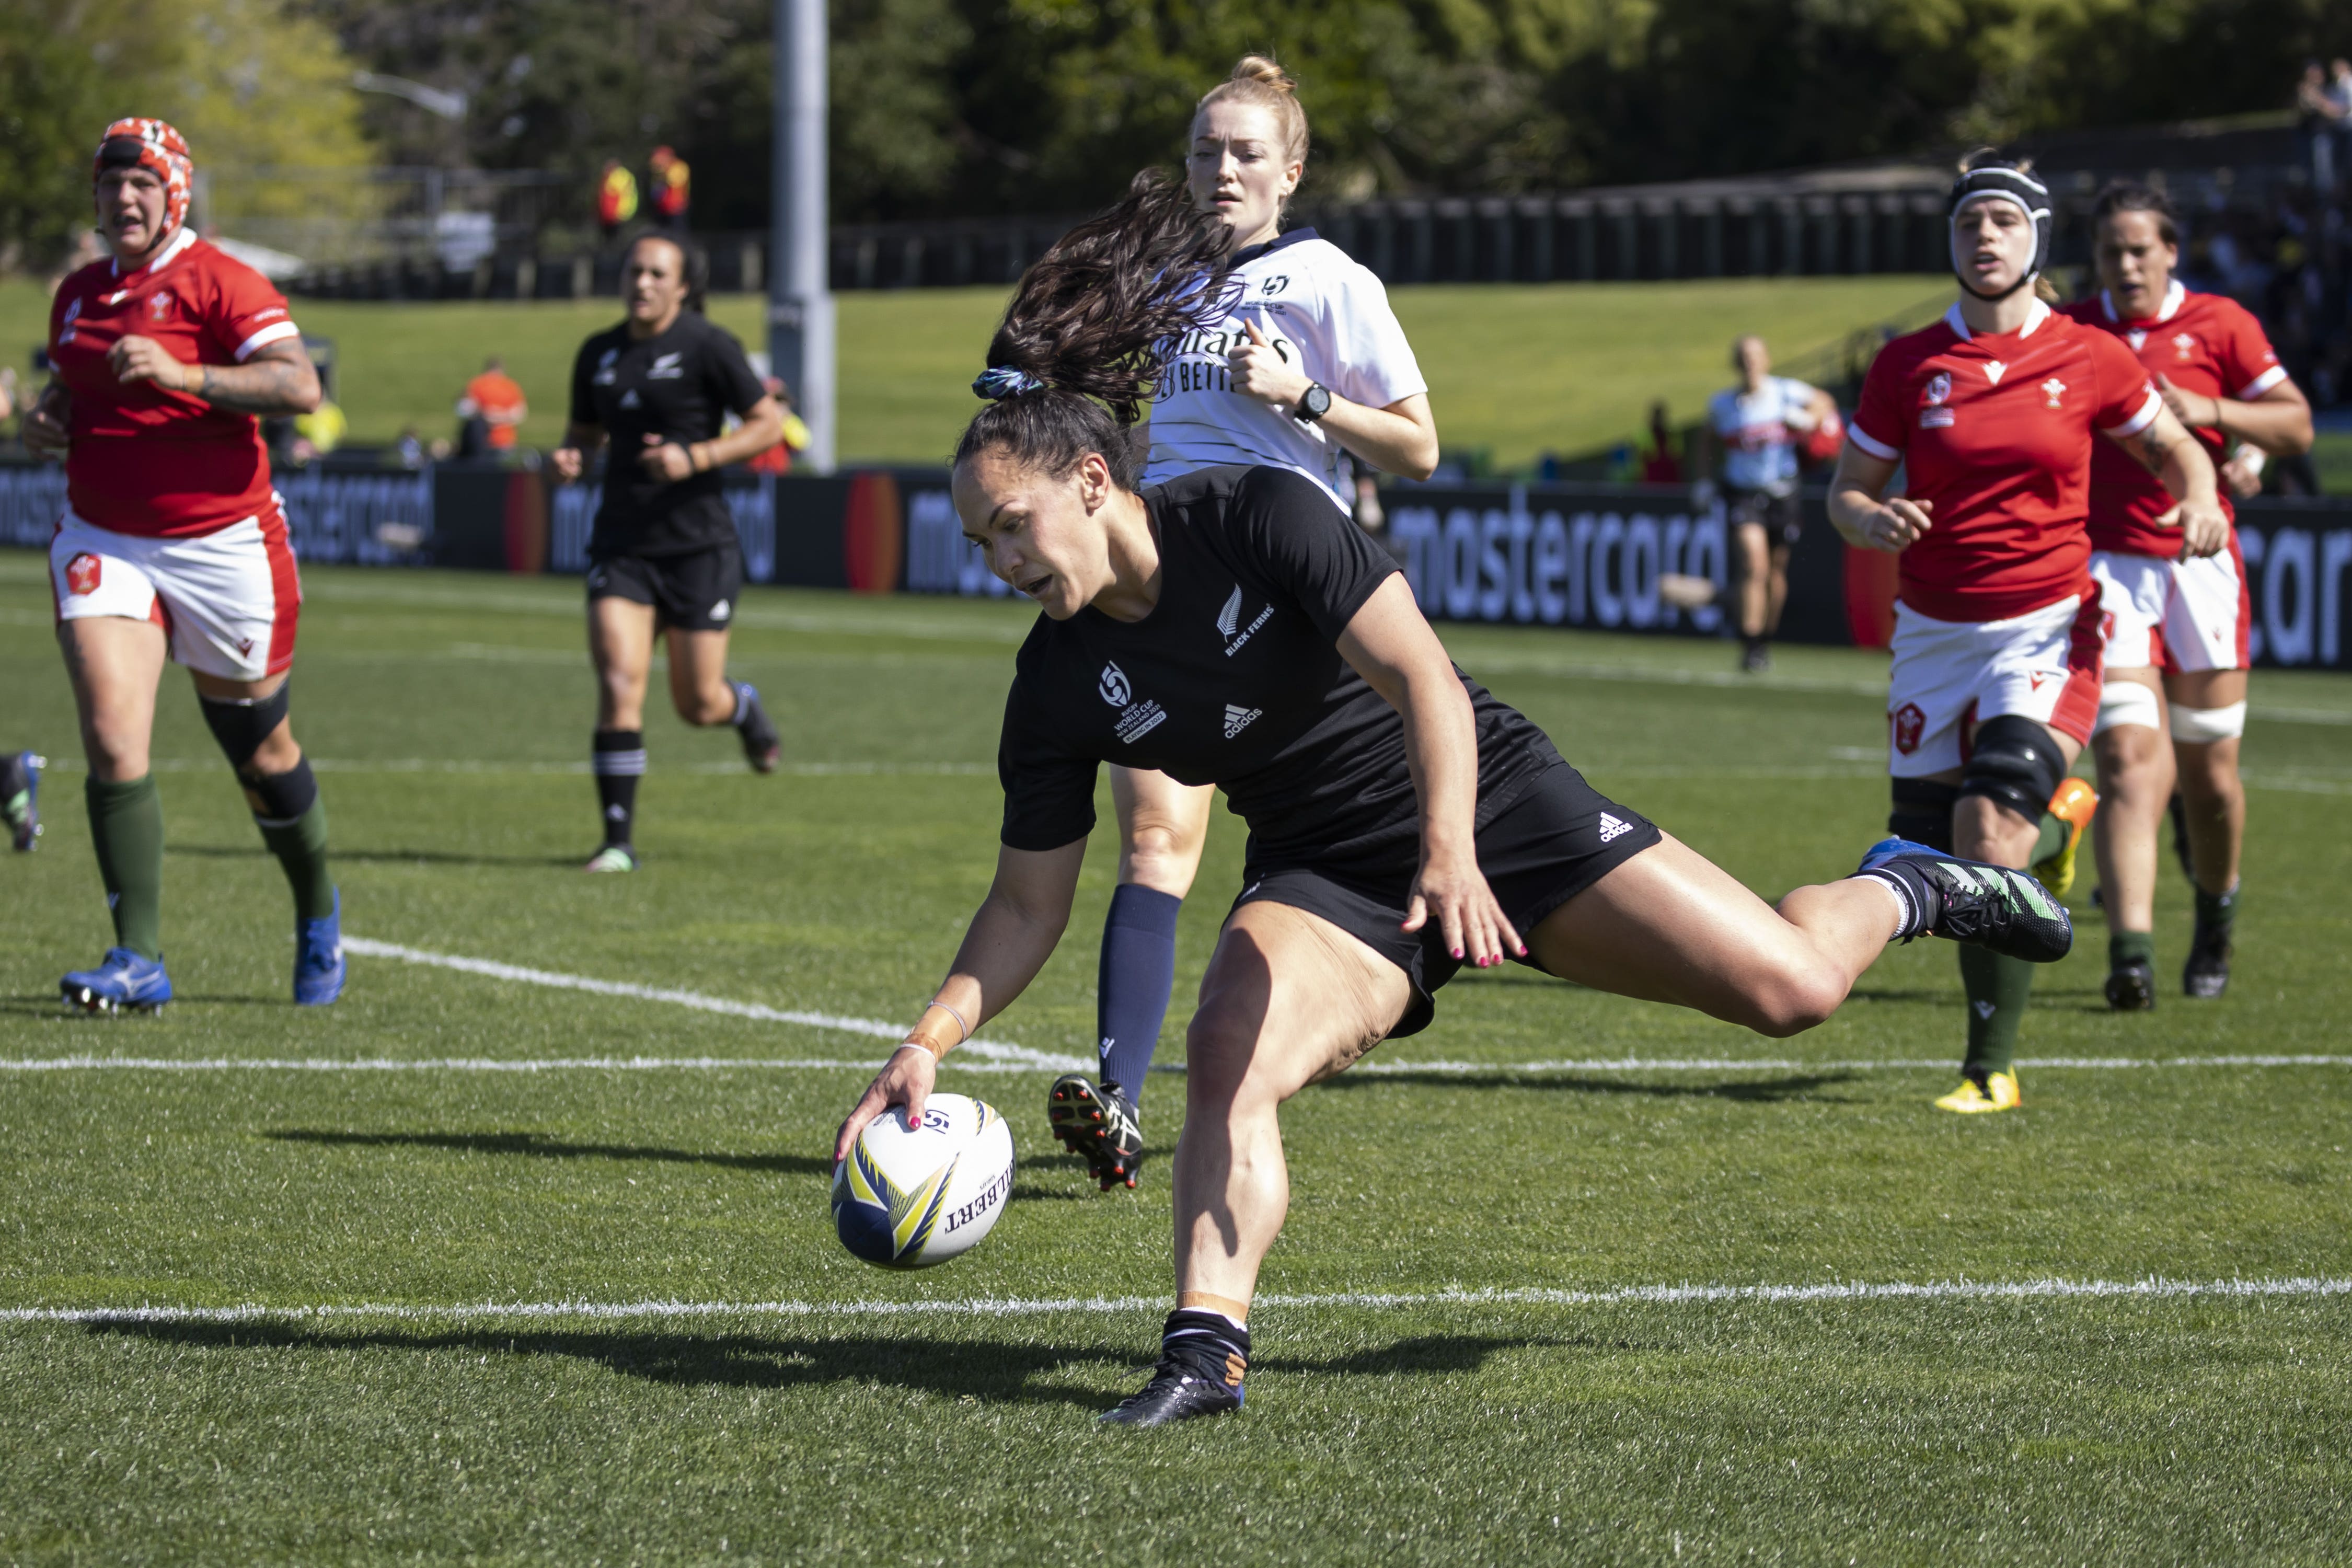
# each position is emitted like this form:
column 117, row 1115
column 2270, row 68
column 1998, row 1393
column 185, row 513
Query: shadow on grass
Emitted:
column 383, row 857
column 545, row 1148
column 1794, row 1085
column 48, row 1005
column 998, row 1371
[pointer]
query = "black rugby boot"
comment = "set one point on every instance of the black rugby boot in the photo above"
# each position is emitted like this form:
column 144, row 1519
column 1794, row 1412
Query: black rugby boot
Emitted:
column 1188, row 1382
column 1099, row 1126
column 2131, row 987
column 763, row 747
column 1991, row 906
column 2207, row 974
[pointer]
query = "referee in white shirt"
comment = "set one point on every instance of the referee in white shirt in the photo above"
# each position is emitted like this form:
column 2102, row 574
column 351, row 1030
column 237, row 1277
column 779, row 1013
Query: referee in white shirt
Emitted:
column 1309, row 372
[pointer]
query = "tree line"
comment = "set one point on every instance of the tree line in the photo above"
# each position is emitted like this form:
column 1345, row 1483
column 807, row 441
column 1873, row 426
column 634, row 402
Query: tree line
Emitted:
column 955, row 107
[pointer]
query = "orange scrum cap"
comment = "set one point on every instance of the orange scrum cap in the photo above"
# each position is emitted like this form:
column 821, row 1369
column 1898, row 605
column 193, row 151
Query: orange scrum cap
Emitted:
column 150, row 144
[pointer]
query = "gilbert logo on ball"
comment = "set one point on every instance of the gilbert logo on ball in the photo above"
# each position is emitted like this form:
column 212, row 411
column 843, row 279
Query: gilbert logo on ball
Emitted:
column 912, row 1195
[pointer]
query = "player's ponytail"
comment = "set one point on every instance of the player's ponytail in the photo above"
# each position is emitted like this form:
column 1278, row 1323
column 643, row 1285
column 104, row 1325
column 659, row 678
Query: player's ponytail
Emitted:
column 1077, row 355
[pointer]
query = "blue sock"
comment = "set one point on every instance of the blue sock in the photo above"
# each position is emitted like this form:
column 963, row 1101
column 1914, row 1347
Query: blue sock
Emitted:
column 1138, row 969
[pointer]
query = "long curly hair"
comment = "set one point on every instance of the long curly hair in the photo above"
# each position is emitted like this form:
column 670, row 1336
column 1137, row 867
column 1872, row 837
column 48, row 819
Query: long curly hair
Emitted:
column 1078, row 353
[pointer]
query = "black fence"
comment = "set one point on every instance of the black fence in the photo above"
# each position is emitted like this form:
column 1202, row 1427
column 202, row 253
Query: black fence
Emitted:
column 1568, row 556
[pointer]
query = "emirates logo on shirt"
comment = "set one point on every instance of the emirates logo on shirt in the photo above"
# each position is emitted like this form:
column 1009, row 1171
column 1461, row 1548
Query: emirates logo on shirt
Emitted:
column 2055, row 391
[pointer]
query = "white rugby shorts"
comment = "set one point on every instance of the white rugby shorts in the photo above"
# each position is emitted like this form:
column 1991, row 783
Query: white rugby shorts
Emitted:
column 228, row 600
column 2180, row 616
column 1948, row 675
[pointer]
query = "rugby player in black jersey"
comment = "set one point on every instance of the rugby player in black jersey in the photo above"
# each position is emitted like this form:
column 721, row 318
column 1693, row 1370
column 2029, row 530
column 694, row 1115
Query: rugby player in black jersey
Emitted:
column 663, row 555
column 1403, row 821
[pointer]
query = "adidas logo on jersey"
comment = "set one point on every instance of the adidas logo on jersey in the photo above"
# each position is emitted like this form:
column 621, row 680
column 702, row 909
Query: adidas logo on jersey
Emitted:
column 629, row 398
column 1238, row 719
column 1613, row 828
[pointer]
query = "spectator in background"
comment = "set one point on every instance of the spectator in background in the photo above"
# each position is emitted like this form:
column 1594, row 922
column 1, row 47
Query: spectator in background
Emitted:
column 2320, row 118
column 7, row 394
column 410, row 448
column 777, row 459
column 493, row 410
column 671, row 190
column 617, row 198
column 1662, row 464
column 2339, row 96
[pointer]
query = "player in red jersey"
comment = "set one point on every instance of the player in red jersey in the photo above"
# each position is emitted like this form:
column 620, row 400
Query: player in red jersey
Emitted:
column 2177, row 626
column 174, row 544
column 1995, row 685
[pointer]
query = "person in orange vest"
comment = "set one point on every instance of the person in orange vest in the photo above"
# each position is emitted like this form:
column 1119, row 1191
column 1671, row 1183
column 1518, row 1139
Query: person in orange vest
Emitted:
column 670, row 189
column 496, row 399
column 616, row 197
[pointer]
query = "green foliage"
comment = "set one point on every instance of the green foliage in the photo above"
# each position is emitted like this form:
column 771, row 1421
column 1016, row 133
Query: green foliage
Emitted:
column 66, row 68
column 249, row 84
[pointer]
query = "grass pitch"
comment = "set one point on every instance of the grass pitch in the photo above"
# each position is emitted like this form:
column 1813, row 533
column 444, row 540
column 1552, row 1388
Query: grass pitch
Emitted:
column 948, row 1416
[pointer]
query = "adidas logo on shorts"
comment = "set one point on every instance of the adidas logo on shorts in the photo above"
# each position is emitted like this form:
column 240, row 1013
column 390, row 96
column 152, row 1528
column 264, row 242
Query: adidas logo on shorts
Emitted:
column 1613, row 828
column 1238, row 719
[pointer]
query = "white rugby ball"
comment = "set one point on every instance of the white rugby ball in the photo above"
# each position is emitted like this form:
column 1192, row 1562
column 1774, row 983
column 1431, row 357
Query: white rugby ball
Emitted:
column 912, row 1195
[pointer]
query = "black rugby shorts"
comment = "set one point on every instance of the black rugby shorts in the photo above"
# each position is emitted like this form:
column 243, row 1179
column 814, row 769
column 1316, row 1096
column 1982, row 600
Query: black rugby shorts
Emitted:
column 696, row 592
column 1558, row 838
column 1778, row 516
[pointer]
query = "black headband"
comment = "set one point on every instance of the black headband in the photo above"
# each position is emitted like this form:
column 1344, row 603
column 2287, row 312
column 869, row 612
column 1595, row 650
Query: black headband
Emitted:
column 121, row 152
column 2011, row 184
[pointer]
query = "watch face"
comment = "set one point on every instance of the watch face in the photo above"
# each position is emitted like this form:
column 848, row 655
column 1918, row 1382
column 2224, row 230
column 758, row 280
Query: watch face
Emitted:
column 1316, row 403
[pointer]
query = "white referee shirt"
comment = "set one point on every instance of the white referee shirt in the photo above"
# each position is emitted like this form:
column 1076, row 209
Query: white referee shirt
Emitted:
column 1328, row 315
column 1758, row 432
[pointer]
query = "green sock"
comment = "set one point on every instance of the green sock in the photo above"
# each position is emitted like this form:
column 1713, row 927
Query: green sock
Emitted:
column 2052, row 839
column 2215, row 911
column 126, row 827
column 1997, row 988
column 301, row 849
column 2131, row 947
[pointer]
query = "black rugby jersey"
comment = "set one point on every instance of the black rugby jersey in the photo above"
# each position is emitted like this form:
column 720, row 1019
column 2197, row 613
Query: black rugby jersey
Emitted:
column 680, row 386
column 1236, row 678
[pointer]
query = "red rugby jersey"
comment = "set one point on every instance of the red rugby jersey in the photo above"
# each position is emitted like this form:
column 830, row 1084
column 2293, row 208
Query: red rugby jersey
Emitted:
column 147, row 461
column 1997, row 431
column 2205, row 344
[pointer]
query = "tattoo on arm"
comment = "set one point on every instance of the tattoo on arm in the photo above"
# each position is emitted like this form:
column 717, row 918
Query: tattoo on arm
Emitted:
column 2151, row 447
column 271, row 382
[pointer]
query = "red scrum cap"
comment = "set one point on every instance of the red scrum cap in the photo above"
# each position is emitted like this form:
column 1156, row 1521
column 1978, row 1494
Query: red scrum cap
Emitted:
column 150, row 144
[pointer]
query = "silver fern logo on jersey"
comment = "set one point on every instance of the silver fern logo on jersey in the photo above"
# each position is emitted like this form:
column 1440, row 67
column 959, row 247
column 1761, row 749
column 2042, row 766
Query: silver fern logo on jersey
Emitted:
column 1113, row 687
column 1229, row 623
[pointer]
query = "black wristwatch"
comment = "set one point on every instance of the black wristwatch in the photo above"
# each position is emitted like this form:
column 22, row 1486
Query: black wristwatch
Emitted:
column 1313, row 403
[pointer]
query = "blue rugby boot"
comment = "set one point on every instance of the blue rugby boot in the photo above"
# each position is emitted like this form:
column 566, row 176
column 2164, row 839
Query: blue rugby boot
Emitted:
column 20, row 798
column 318, row 958
column 123, row 982
column 1991, row 906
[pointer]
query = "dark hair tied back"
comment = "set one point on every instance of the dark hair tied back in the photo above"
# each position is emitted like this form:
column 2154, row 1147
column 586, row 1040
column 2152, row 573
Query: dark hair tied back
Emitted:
column 2131, row 196
column 1078, row 352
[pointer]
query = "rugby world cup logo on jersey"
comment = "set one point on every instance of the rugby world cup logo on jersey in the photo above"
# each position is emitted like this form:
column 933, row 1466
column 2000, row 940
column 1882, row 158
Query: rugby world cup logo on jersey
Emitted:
column 1229, row 623
column 1136, row 720
column 65, row 327
column 1936, row 415
column 1113, row 687
column 606, row 366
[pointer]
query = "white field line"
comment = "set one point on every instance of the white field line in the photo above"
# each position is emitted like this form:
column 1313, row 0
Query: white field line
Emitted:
column 467, row 765
column 1018, row 1307
column 998, row 1052
column 1046, row 1062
